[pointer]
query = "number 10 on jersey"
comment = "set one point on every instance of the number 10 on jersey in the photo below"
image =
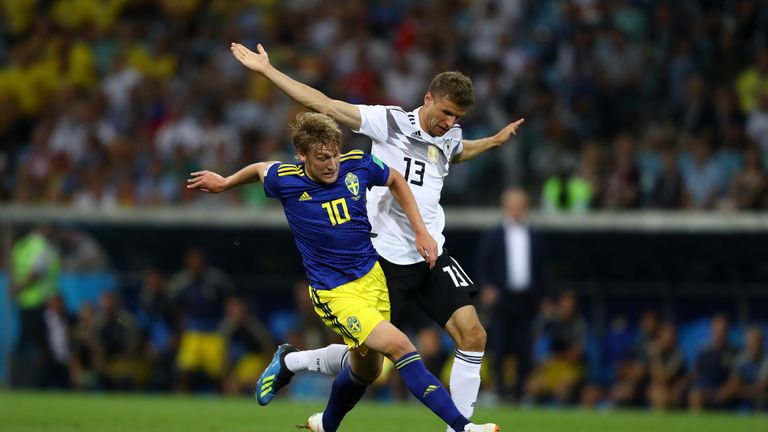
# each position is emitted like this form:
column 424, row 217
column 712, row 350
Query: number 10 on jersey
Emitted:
column 337, row 211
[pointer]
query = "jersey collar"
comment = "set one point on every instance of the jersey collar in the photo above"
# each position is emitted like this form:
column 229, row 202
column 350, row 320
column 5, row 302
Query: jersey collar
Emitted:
column 424, row 133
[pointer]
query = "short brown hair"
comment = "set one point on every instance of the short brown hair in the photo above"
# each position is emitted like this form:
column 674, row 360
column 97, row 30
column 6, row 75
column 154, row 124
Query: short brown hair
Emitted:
column 311, row 129
column 454, row 85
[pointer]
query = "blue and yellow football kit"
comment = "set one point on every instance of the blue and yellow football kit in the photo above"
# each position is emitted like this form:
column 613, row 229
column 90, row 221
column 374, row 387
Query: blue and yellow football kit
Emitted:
column 331, row 229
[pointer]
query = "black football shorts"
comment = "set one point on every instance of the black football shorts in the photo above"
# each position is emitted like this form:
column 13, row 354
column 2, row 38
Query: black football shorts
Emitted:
column 438, row 292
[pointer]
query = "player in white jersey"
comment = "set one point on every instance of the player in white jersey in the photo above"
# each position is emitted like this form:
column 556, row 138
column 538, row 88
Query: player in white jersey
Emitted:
column 421, row 144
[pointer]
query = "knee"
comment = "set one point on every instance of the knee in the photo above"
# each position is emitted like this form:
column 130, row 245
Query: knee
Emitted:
column 472, row 338
column 399, row 347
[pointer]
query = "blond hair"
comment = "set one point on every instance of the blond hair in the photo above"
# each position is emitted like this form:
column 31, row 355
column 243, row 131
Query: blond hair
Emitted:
column 312, row 129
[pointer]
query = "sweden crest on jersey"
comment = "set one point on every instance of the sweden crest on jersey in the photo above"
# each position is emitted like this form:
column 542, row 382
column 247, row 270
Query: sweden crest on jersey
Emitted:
column 354, row 324
column 353, row 184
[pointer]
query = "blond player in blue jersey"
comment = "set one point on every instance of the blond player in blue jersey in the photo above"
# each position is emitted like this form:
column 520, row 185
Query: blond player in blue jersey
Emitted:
column 323, row 198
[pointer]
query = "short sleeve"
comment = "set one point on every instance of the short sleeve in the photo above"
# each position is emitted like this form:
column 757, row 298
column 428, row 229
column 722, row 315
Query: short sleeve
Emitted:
column 458, row 150
column 272, row 181
column 373, row 122
column 378, row 172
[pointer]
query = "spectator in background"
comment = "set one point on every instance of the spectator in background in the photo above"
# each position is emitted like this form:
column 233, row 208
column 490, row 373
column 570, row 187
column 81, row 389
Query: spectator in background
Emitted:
column 701, row 175
column 752, row 82
column 579, row 192
column 727, row 114
column 510, row 271
column 118, row 339
column 558, row 192
column 632, row 373
column 57, row 323
column 220, row 142
column 403, row 81
column 695, row 113
column 36, row 167
column 757, row 123
column 81, row 252
column 180, row 132
column 85, row 350
column 711, row 370
column 666, row 370
column 622, row 184
column 159, row 322
column 157, row 185
column 200, row 290
column 96, row 192
column 748, row 382
column 668, row 186
column 561, row 372
column 749, row 185
column 248, row 346
column 35, row 266
column 597, row 68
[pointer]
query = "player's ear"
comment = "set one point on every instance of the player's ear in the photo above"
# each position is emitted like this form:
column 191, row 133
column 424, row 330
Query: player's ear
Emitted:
column 428, row 98
column 301, row 156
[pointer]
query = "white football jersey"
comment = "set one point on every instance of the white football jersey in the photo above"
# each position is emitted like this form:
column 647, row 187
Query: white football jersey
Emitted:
column 424, row 161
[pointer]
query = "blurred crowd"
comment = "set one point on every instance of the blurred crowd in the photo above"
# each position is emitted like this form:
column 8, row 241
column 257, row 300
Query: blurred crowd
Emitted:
column 193, row 330
column 628, row 103
column 188, row 330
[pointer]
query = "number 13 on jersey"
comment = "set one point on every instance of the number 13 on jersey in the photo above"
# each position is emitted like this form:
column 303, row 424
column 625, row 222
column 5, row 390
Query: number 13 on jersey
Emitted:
column 337, row 211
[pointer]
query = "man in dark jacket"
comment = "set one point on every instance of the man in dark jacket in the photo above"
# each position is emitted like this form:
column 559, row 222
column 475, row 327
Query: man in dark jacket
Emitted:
column 510, row 273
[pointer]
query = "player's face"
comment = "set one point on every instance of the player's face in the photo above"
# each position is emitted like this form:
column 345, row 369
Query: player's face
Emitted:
column 440, row 115
column 515, row 205
column 321, row 163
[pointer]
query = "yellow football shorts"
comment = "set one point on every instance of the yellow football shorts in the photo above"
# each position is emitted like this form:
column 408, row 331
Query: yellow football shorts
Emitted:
column 556, row 371
column 201, row 351
column 355, row 308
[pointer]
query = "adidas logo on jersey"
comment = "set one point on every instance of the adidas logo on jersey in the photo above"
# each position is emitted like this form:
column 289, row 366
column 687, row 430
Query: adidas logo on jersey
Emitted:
column 305, row 197
column 416, row 134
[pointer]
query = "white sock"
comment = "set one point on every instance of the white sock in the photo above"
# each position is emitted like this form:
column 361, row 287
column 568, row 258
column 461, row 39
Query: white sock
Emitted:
column 465, row 381
column 329, row 360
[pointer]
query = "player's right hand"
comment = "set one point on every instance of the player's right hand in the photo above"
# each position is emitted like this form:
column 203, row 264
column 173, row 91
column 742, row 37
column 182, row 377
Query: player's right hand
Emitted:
column 256, row 62
column 427, row 248
column 207, row 181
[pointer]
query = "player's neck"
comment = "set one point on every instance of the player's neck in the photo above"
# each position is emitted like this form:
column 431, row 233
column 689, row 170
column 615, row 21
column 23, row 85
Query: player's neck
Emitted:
column 422, row 121
column 306, row 171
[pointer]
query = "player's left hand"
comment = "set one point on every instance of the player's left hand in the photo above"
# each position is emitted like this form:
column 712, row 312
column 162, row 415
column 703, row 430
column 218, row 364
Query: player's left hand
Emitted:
column 207, row 181
column 427, row 247
column 256, row 61
column 508, row 130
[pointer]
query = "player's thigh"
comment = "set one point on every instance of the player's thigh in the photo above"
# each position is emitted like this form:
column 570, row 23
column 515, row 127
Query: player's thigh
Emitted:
column 447, row 290
column 402, row 282
column 354, row 309
column 388, row 340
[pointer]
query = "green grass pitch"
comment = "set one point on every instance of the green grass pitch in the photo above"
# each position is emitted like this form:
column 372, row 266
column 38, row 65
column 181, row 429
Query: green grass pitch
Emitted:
column 61, row 412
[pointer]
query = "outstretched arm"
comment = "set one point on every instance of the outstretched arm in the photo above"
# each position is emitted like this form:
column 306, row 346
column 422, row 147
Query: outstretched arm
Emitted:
column 209, row 181
column 425, row 244
column 343, row 112
column 472, row 148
